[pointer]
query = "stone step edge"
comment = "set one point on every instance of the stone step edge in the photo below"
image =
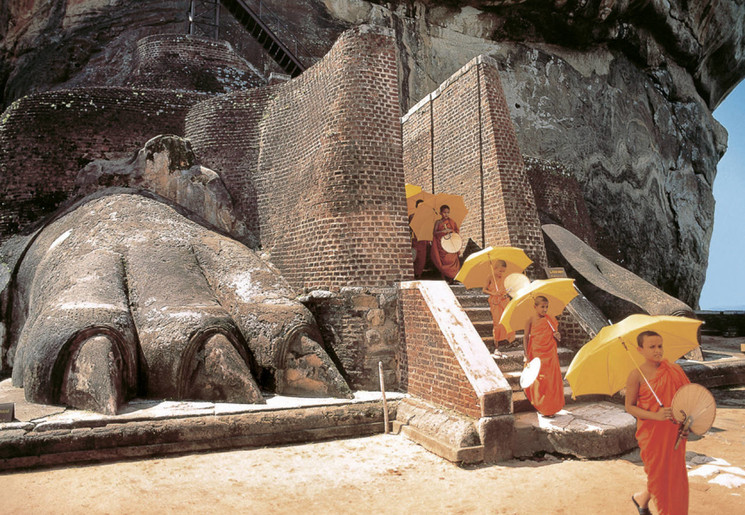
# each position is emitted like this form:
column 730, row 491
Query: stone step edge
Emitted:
column 521, row 404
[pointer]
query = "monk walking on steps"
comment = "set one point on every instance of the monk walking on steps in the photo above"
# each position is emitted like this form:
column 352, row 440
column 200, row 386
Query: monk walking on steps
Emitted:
column 448, row 264
column 498, row 299
column 656, row 430
column 541, row 338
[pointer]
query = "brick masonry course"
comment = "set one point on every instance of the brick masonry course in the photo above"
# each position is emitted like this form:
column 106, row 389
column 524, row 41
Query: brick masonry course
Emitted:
column 316, row 164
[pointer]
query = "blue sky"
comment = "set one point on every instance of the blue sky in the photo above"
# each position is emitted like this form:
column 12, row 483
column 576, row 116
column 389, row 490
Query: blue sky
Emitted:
column 725, row 276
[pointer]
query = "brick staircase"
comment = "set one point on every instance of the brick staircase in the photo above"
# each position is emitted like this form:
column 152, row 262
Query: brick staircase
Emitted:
column 476, row 306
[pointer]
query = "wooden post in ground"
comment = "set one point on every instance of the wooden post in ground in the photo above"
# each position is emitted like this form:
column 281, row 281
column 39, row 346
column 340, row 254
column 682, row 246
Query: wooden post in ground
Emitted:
column 382, row 391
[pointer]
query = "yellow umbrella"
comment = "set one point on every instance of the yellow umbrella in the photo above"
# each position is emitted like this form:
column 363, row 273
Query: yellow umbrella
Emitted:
column 412, row 189
column 412, row 200
column 477, row 268
column 559, row 293
column 428, row 213
column 604, row 363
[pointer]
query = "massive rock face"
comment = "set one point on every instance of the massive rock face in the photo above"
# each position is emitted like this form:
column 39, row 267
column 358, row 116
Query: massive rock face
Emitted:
column 619, row 93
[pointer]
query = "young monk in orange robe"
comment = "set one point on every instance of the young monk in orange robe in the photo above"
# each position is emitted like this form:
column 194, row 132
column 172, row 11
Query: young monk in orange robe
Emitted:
column 498, row 300
column 656, row 430
column 420, row 249
column 546, row 394
column 448, row 264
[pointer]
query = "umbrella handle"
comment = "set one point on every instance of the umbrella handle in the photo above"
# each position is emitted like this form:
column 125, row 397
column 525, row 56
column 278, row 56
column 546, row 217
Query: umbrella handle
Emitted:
column 493, row 277
column 642, row 373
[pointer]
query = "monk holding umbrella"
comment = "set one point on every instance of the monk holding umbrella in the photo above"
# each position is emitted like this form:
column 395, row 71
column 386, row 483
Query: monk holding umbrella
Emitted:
column 487, row 269
column 535, row 308
column 438, row 219
column 631, row 354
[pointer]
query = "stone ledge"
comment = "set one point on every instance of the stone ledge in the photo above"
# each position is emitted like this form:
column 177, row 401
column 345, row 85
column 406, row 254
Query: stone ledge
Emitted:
column 473, row 454
column 86, row 437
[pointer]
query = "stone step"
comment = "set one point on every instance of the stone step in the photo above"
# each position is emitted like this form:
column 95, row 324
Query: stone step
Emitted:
column 513, row 378
column 521, row 404
column 469, row 300
column 513, row 359
column 478, row 313
column 583, row 429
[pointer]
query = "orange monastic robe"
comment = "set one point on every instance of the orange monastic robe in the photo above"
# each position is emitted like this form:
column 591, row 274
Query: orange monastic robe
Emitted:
column 667, row 478
column 546, row 394
column 445, row 262
column 497, row 303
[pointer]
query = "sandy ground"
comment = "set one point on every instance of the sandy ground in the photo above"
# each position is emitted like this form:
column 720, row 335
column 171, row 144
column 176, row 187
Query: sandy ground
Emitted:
column 378, row 474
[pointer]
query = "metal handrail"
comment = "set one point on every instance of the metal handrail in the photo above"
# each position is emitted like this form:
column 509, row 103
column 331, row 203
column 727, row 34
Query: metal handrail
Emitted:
column 263, row 8
column 267, row 20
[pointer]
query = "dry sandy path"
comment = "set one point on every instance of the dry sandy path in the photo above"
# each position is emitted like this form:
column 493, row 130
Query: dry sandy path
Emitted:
column 378, row 474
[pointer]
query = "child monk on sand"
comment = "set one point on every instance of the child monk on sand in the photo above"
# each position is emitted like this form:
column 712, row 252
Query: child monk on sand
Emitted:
column 656, row 430
column 448, row 264
column 498, row 300
column 546, row 394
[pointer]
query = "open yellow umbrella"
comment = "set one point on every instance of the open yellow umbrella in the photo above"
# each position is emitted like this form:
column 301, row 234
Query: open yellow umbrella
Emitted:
column 413, row 199
column 412, row 189
column 477, row 268
column 428, row 213
column 559, row 293
column 604, row 363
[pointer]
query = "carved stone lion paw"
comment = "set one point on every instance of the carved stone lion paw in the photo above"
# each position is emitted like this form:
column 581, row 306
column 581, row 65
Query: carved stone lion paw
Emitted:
column 124, row 296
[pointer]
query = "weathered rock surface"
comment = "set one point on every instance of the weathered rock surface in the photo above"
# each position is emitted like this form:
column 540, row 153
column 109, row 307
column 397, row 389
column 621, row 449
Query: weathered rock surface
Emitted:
column 168, row 167
column 124, row 296
column 618, row 92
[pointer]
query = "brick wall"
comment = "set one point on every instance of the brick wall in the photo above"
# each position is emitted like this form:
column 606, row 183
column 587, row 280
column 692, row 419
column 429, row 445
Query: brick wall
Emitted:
column 322, row 168
column 182, row 62
column 559, row 198
column 433, row 372
column 451, row 370
column 46, row 138
column 572, row 335
column 475, row 154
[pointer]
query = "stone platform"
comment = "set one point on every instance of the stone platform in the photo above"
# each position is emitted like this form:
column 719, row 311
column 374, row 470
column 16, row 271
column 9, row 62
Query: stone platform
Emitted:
column 584, row 430
column 587, row 427
column 52, row 435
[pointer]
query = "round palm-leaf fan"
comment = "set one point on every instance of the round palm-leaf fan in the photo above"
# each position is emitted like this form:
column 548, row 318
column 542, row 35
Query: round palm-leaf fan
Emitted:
column 515, row 282
column 697, row 403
